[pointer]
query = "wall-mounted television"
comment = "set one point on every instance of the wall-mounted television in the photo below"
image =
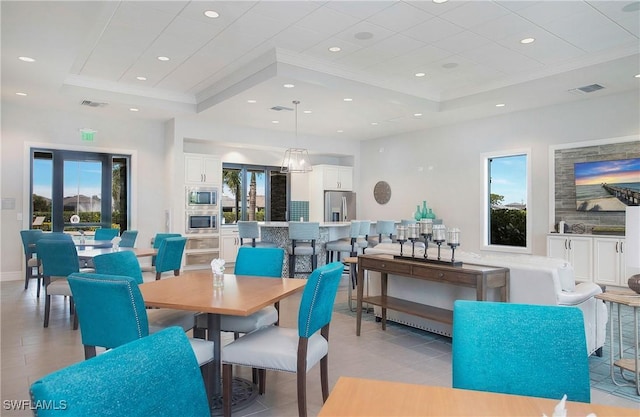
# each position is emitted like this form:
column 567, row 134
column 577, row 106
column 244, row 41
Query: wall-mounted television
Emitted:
column 607, row 185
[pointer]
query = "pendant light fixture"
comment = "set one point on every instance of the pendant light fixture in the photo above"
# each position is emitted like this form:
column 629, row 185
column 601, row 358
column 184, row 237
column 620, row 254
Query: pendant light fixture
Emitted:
column 296, row 159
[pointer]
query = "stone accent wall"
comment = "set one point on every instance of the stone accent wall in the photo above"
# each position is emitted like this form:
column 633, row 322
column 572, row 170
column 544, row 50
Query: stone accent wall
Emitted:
column 565, row 189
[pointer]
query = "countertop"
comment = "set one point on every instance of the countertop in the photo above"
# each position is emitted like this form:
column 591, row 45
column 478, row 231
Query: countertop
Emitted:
column 286, row 224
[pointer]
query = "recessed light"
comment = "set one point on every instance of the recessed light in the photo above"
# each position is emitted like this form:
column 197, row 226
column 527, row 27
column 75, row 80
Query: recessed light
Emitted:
column 141, row 78
column 275, row 122
column 500, row 105
column 307, row 111
column 288, row 86
column 252, row 101
column 26, row 59
column 440, row 1
column 21, row 94
column 347, row 99
column 212, row 14
column 374, row 123
column 335, row 49
column 133, row 109
column 163, row 58
column 417, row 114
column 420, row 74
column 637, row 75
column 340, row 131
column 527, row 40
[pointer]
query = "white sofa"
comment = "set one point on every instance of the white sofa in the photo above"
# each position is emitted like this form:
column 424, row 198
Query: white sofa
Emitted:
column 533, row 280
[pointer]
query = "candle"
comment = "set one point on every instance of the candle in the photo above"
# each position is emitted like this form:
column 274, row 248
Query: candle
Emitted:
column 439, row 232
column 454, row 236
column 401, row 233
column 426, row 226
column 413, row 231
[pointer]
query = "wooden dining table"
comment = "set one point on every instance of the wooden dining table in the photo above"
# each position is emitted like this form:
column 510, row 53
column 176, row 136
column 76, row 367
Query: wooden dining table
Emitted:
column 357, row 397
column 87, row 254
column 241, row 295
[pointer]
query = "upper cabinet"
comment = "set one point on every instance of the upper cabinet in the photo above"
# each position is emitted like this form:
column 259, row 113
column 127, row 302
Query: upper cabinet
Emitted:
column 334, row 177
column 202, row 169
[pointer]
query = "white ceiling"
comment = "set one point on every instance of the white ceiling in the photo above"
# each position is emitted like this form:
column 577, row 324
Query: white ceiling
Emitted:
column 470, row 52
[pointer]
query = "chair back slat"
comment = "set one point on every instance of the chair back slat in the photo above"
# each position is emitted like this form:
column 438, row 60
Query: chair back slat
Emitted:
column 128, row 238
column 110, row 309
column 59, row 257
column 170, row 252
column 265, row 262
column 304, row 230
column 318, row 298
column 106, row 234
column 523, row 349
column 123, row 263
column 154, row 376
column 248, row 230
column 29, row 239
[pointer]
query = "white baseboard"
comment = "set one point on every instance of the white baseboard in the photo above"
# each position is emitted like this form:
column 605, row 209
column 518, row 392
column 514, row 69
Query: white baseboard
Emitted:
column 12, row 276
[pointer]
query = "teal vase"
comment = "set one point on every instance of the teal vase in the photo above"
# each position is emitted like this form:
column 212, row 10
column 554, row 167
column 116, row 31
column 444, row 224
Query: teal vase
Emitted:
column 423, row 214
column 431, row 215
column 418, row 213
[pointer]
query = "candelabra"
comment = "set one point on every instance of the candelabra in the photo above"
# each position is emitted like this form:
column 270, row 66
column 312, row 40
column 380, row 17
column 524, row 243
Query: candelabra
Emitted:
column 427, row 231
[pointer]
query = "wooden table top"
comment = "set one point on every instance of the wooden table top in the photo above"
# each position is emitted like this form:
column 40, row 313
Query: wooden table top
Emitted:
column 355, row 397
column 140, row 252
column 241, row 296
column 630, row 298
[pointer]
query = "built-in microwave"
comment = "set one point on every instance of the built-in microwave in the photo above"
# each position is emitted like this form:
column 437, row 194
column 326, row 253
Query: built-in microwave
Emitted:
column 198, row 198
column 201, row 222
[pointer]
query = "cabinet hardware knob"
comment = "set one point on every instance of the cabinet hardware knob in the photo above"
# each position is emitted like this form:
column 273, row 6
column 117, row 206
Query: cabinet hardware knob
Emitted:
column 616, row 247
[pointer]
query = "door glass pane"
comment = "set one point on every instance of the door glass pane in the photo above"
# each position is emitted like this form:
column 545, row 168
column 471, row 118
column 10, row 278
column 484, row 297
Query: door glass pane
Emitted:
column 278, row 196
column 508, row 197
column 119, row 192
column 42, row 184
column 82, row 191
column 255, row 195
column 231, row 194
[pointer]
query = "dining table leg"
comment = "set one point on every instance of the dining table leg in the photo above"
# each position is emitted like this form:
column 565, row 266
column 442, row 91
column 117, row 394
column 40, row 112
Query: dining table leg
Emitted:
column 213, row 334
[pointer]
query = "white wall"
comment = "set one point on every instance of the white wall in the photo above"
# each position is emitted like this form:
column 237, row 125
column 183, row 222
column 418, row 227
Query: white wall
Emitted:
column 22, row 126
column 442, row 165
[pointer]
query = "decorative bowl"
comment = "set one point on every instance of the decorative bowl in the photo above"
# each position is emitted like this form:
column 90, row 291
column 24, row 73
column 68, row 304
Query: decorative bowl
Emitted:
column 634, row 283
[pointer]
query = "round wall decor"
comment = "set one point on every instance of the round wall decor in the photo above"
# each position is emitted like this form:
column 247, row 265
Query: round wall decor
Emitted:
column 382, row 192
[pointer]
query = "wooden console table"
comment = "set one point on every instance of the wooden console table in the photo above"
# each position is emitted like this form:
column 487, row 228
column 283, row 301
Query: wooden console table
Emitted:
column 475, row 276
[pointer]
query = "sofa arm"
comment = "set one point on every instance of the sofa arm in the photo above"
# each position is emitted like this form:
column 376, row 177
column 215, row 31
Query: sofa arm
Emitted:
column 582, row 292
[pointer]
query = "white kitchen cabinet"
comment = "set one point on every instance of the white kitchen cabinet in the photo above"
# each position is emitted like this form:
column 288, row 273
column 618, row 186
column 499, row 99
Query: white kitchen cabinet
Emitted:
column 202, row 169
column 577, row 250
column 609, row 261
column 229, row 244
column 335, row 177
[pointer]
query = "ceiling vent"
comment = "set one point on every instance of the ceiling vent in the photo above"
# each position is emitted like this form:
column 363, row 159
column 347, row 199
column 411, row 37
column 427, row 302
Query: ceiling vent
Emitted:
column 90, row 103
column 280, row 108
column 586, row 89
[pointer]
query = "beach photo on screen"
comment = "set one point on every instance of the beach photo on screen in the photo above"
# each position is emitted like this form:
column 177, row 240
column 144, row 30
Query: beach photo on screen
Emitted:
column 607, row 185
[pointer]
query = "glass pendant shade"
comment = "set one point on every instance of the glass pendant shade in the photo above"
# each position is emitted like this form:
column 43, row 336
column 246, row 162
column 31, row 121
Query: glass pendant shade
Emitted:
column 295, row 159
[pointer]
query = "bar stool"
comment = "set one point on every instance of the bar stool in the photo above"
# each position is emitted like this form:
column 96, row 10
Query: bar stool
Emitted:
column 385, row 230
column 304, row 236
column 363, row 237
column 250, row 230
column 346, row 244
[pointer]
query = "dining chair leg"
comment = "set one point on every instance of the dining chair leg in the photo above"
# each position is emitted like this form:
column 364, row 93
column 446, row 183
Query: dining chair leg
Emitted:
column 75, row 322
column 47, row 307
column 89, row 352
column 292, row 265
column 324, row 366
column 262, row 381
column 206, row 370
column 227, row 382
column 301, row 374
column 158, row 274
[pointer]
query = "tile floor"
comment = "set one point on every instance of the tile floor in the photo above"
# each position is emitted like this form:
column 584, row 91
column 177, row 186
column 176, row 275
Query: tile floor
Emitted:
column 400, row 354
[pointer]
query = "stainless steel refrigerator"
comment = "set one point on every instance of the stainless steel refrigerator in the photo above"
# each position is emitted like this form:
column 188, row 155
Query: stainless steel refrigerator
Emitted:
column 339, row 206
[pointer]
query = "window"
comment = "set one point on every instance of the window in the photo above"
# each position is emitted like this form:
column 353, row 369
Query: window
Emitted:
column 506, row 185
column 253, row 193
column 92, row 186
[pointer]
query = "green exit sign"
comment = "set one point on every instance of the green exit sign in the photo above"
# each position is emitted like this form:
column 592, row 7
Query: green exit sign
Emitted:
column 87, row 135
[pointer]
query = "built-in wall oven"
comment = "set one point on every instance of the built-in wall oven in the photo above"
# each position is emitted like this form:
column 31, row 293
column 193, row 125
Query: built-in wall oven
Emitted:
column 201, row 222
column 201, row 198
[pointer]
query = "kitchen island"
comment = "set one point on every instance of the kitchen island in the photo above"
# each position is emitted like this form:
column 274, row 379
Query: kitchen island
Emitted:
column 278, row 233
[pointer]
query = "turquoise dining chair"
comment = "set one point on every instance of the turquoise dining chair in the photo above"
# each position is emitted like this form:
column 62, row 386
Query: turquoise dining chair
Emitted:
column 523, row 349
column 169, row 257
column 128, row 238
column 106, row 234
column 132, row 380
column 286, row 349
column 59, row 259
column 125, row 263
column 29, row 239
